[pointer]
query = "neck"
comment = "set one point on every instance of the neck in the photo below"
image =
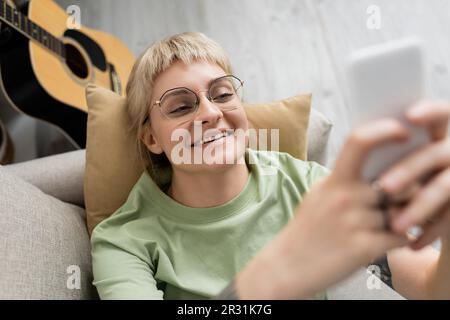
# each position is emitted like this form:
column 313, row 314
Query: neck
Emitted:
column 209, row 189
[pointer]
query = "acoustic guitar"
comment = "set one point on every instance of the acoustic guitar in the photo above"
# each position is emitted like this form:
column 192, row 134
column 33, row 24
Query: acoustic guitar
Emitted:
column 45, row 66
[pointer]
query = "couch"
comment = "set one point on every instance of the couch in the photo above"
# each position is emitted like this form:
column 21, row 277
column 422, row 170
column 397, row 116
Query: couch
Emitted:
column 44, row 243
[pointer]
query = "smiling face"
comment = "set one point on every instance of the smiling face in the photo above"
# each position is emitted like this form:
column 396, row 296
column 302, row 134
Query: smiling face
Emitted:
column 207, row 131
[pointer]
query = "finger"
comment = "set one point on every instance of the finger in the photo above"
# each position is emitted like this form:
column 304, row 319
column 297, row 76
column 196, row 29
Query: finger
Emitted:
column 402, row 198
column 378, row 219
column 432, row 231
column 418, row 165
column 434, row 115
column 433, row 198
column 370, row 219
column 374, row 216
column 368, row 193
column 384, row 241
column 361, row 141
column 394, row 212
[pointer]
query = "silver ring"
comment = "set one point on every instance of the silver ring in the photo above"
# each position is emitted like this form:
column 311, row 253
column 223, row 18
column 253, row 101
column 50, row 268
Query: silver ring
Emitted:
column 382, row 202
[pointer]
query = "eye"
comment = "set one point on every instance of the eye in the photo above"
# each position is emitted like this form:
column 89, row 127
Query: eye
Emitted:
column 223, row 97
column 181, row 110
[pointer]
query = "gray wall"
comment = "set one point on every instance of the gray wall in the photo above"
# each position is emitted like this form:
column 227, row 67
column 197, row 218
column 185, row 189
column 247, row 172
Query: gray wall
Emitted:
column 279, row 47
column 284, row 47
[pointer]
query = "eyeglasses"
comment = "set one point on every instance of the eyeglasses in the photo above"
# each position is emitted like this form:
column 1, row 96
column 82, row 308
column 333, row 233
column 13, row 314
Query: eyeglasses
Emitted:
column 182, row 103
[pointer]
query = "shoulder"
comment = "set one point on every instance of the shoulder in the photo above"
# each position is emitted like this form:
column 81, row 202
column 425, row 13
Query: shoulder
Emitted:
column 116, row 225
column 128, row 231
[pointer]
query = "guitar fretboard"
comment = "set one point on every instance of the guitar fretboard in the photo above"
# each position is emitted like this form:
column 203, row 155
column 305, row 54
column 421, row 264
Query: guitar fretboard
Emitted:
column 32, row 30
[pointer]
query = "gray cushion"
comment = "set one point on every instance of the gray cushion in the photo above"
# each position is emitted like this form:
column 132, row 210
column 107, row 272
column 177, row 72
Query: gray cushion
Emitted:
column 40, row 238
column 319, row 129
column 58, row 175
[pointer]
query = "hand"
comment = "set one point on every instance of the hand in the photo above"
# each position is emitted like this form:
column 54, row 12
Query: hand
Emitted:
column 337, row 227
column 429, row 206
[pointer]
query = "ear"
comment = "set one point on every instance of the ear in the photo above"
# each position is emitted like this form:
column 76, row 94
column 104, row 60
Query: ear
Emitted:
column 150, row 140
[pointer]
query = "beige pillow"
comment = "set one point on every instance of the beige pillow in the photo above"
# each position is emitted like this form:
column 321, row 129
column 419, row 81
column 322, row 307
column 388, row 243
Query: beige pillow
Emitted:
column 112, row 166
column 290, row 116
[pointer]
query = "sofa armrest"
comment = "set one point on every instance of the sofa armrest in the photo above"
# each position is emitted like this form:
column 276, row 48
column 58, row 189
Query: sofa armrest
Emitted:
column 60, row 175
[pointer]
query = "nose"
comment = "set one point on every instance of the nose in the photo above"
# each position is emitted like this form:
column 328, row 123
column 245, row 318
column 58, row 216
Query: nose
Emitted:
column 208, row 112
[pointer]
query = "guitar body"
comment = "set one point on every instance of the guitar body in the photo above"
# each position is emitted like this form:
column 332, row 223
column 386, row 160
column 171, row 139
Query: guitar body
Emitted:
column 48, row 87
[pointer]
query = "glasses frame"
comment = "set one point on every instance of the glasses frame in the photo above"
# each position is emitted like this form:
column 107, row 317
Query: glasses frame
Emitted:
column 197, row 103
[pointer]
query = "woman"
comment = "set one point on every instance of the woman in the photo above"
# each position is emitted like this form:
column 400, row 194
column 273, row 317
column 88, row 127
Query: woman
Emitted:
column 190, row 229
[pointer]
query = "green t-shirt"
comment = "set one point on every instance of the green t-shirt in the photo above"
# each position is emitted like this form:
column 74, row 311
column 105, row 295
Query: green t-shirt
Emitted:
column 153, row 247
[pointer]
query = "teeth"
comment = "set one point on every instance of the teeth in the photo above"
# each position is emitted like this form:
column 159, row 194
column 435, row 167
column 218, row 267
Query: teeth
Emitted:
column 217, row 136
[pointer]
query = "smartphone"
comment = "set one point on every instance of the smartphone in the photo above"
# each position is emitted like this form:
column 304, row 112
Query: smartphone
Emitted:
column 384, row 81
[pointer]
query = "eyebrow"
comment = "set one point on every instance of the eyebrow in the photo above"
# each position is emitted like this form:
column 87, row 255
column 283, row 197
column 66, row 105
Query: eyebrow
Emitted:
column 189, row 90
column 176, row 92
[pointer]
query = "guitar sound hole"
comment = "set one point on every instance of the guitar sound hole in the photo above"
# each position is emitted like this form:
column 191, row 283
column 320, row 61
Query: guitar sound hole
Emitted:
column 76, row 62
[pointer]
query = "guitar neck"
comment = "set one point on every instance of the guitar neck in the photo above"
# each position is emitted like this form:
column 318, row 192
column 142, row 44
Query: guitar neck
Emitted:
column 31, row 30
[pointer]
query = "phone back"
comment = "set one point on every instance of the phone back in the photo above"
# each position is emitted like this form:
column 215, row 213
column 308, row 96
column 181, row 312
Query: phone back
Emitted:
column 383, row 81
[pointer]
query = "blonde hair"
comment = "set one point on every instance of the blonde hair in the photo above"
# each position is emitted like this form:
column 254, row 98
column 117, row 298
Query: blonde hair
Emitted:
column 185, row 47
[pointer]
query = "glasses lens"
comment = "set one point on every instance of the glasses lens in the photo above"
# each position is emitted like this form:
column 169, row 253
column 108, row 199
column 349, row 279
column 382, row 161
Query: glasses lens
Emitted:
column 226, row 92
column 179, row 103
